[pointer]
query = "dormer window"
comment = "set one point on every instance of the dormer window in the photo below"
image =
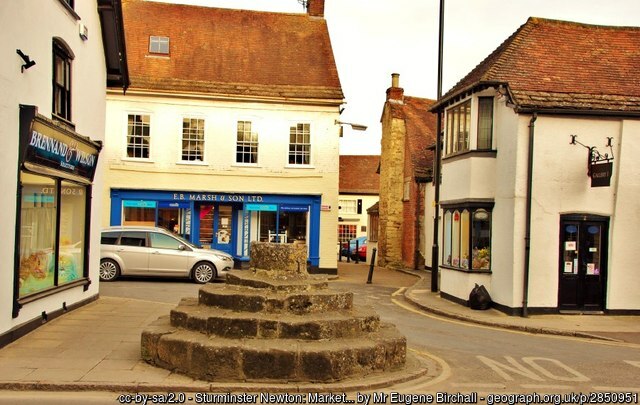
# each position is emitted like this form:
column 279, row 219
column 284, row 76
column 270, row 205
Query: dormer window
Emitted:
column 159, row 45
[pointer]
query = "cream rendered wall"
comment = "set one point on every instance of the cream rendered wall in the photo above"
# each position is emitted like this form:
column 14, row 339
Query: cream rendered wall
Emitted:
column 31, row 25
column 219, row 172
column 624, row 278
column 561, row 186
column 361, row 219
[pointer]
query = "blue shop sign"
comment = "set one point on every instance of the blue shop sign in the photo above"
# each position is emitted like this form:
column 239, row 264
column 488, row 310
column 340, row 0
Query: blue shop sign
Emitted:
column 173, row 204
column 138, row 204
column 261, row 207
column 294, row 208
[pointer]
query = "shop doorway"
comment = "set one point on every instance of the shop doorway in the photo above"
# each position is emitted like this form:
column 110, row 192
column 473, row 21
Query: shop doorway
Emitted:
column 216, row 227
column 583, row 262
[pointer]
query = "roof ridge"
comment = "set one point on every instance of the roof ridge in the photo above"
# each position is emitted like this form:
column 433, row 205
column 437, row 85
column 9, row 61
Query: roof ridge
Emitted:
column 188, row 5
column 538, row 20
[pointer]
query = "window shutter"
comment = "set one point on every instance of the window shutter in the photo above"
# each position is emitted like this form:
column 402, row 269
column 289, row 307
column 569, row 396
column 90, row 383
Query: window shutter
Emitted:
column 359, row 206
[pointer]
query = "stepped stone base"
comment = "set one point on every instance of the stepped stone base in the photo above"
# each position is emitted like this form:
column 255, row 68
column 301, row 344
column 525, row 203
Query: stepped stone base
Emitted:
column 273, row 323
column 225, row 359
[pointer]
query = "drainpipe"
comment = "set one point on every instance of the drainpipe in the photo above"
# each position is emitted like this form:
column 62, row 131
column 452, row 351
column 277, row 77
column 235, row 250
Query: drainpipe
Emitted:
column 527, row 234
column 435, row 249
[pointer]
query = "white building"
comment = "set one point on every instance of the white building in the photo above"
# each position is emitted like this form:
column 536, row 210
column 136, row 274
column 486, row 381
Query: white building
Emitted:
column 520, row 213
column 228, row 131
column 54, row 75
column 359, row 188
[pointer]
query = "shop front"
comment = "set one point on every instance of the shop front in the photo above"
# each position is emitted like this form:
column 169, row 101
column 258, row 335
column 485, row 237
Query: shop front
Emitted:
column 224, row 221
column 55, row 176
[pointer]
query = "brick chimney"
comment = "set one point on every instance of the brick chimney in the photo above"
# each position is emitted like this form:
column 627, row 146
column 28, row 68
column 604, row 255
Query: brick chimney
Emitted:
column 395, row 92
column 315, row 8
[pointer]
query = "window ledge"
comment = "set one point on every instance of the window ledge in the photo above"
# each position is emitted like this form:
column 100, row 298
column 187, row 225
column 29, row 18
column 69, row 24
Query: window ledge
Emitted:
column 69, row 10
column 299, row 167
column 250, row 165
column 64, row 122
column 470, row 154
column 139, row 160
column 465, row 270
column 192, row 163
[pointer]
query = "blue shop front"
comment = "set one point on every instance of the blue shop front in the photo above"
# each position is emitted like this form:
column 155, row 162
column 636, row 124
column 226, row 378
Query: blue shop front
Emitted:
column 224, row 221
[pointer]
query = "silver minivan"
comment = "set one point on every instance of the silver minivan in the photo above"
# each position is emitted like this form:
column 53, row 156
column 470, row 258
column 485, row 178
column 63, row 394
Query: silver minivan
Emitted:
column 149, row 251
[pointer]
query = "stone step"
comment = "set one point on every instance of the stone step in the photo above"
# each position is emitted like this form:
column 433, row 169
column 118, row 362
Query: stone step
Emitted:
column 314, row 326
column 275, row 281
column 262, row 360
column 247, row 299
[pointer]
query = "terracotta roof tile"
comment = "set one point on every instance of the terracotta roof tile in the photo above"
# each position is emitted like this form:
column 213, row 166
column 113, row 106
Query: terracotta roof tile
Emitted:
column 236, row 52
column 359, row 174
column 421, row 129
column 560, row 64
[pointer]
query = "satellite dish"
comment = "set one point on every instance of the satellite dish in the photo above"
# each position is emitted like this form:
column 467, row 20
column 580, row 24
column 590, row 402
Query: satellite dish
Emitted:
column 304, row 3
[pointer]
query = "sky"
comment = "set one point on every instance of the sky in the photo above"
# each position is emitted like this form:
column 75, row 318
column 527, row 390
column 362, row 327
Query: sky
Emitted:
column 372, row 39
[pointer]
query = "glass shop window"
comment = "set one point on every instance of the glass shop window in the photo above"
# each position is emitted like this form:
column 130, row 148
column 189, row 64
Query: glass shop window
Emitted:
column 37, row 233
column 72, row 232
column 41, row 265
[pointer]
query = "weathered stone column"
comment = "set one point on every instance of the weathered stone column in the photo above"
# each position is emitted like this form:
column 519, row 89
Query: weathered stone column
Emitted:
column 279, row 261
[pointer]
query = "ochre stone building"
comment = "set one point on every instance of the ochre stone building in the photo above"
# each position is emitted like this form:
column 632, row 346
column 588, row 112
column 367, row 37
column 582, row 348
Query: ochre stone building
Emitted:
column 408, row 130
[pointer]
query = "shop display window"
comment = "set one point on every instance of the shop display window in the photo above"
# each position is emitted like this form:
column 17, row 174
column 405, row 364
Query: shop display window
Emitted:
column 467, row 238
column 48, row 259
column 37, row 233
column 291, row 227
column 139, row 215
column 72, row 232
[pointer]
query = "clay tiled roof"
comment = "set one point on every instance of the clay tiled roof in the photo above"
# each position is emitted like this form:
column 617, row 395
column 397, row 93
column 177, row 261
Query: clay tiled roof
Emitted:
column 358, row 174
column 421, row 130
column 231, row 52
column 549, row 64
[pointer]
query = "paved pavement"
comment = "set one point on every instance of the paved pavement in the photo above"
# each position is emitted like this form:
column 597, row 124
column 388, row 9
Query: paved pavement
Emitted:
column 97, row 347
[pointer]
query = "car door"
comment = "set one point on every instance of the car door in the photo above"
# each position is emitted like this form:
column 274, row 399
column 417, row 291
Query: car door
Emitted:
column 133, row 252
column 168, row 256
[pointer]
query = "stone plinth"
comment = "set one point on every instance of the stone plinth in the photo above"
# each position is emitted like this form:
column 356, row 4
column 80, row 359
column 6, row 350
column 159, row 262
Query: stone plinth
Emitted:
column 273, row 324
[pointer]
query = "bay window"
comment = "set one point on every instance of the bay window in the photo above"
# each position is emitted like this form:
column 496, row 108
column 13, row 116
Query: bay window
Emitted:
column 458, row 127
column 467, row 236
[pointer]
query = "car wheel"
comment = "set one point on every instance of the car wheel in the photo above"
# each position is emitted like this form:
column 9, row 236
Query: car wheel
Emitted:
column 203, row 272
column 109, row 270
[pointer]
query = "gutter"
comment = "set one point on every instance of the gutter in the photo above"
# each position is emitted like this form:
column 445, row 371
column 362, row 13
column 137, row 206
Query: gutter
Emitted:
column 527, row 234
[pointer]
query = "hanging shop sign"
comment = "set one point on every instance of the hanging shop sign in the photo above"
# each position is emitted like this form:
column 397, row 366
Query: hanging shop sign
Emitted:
column 47, row 147
column 599, row 165
column 600, row 173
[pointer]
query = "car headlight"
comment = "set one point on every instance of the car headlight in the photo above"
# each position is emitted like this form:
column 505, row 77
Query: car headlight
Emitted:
column 224, row 257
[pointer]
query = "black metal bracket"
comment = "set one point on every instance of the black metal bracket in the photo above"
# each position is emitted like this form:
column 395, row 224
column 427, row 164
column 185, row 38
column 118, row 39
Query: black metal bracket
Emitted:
column 594, row 156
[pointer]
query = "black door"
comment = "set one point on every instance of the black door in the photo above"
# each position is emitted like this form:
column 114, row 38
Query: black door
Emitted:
column 583, row 261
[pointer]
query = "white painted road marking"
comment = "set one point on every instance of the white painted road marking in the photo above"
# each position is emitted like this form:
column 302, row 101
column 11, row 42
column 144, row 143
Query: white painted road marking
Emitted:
column 514, row 367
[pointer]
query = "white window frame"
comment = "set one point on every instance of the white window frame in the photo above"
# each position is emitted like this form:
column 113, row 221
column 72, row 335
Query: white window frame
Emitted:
column 254, row 129
column 294, row 124
column 157, row 43
column 126, row 137
column 204, row 141
column 346, row 205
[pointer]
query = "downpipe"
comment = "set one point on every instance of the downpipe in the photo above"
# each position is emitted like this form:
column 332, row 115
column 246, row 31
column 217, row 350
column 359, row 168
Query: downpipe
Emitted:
column 527, row 234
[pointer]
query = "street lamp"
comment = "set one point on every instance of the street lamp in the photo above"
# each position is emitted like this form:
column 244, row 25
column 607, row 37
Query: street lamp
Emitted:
column 356, row 127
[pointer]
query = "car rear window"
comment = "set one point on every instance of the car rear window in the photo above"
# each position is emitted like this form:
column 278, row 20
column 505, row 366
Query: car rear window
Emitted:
column 109, row 238
column 133, row 239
